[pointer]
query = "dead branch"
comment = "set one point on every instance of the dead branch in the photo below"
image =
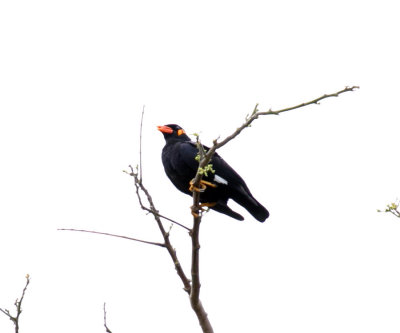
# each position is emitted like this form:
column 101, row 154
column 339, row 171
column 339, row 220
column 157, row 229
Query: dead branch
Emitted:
column 188, row 286
column 150, row 210
column 114, row 235
column 105, row 319
column 18, row 304
column 167, row 243
column 140, row 146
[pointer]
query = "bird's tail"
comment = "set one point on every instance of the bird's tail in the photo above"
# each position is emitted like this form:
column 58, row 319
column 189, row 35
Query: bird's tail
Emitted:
column 259, row 212
column 223, row 208
column 246, row 200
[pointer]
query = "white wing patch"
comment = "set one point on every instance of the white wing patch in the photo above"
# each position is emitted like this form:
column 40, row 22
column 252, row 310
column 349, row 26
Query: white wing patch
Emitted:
column 220, row 180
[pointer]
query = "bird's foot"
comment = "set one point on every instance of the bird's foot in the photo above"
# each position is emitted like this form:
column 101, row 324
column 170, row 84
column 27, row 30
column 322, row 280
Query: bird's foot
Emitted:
column 200, row 208
column 194, row 213
column 203, row 186
column 207, row 204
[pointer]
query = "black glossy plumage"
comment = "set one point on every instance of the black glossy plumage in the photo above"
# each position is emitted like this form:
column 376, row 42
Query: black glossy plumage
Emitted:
column 178, row 157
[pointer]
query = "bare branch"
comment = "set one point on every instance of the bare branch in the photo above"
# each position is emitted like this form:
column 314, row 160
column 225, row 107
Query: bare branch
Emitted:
column 195, row 302
column 255, row 114
column 205, row 158
column 174, row 222
column 18, row 304
column 167, row 243
column 140, row 146
column 314, row 101
column 105, row 319
column 188, row 287
column 147, row 209
column 114, row 235
column 157, row 217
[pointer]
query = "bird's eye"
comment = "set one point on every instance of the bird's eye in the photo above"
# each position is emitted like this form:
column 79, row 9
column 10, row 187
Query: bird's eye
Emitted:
column 180, row 132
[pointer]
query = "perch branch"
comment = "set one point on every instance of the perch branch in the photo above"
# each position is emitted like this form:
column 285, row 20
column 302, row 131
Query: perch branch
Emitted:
column 195, row 302
column 205, row 158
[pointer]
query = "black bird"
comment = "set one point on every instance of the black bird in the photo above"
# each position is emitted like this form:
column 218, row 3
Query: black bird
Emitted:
column 180, row 164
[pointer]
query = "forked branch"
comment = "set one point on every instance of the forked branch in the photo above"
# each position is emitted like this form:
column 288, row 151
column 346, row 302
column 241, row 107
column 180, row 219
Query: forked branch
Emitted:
column 18, row 306
column 167, row 243
column 192, row 287
column 205, row 158
column 253, row 116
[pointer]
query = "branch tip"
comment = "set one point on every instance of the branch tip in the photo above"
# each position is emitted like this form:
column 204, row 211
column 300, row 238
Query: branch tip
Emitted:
column 114, row 235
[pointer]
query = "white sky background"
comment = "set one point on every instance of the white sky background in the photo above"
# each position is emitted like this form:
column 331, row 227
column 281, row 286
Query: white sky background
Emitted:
column 73, row 79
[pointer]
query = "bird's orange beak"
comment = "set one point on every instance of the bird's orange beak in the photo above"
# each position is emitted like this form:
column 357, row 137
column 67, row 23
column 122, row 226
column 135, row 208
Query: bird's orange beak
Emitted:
column 165, row 129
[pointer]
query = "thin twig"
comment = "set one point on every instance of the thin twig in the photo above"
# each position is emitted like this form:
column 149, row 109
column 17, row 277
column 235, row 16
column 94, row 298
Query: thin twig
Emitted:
column 174, row 222
column 257, row 113
column 140, row 147
column 140, row 178
column 105, row 319
column 114, row 235
column 314, row 101
column 147, row 209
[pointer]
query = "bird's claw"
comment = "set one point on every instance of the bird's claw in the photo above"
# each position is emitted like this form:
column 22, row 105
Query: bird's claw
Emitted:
column 195, row 215
column 207, row 204
column 203, row 186
column 193, row 188
column 200, row 208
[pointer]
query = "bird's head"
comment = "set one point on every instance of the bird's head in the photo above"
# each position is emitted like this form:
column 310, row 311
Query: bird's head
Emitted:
column 173, row 132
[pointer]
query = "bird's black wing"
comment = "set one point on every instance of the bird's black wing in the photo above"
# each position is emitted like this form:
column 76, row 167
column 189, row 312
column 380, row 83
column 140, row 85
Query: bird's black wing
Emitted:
column 180, row 163
column 237, row 189
column 225, row 173
column 183, row 160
